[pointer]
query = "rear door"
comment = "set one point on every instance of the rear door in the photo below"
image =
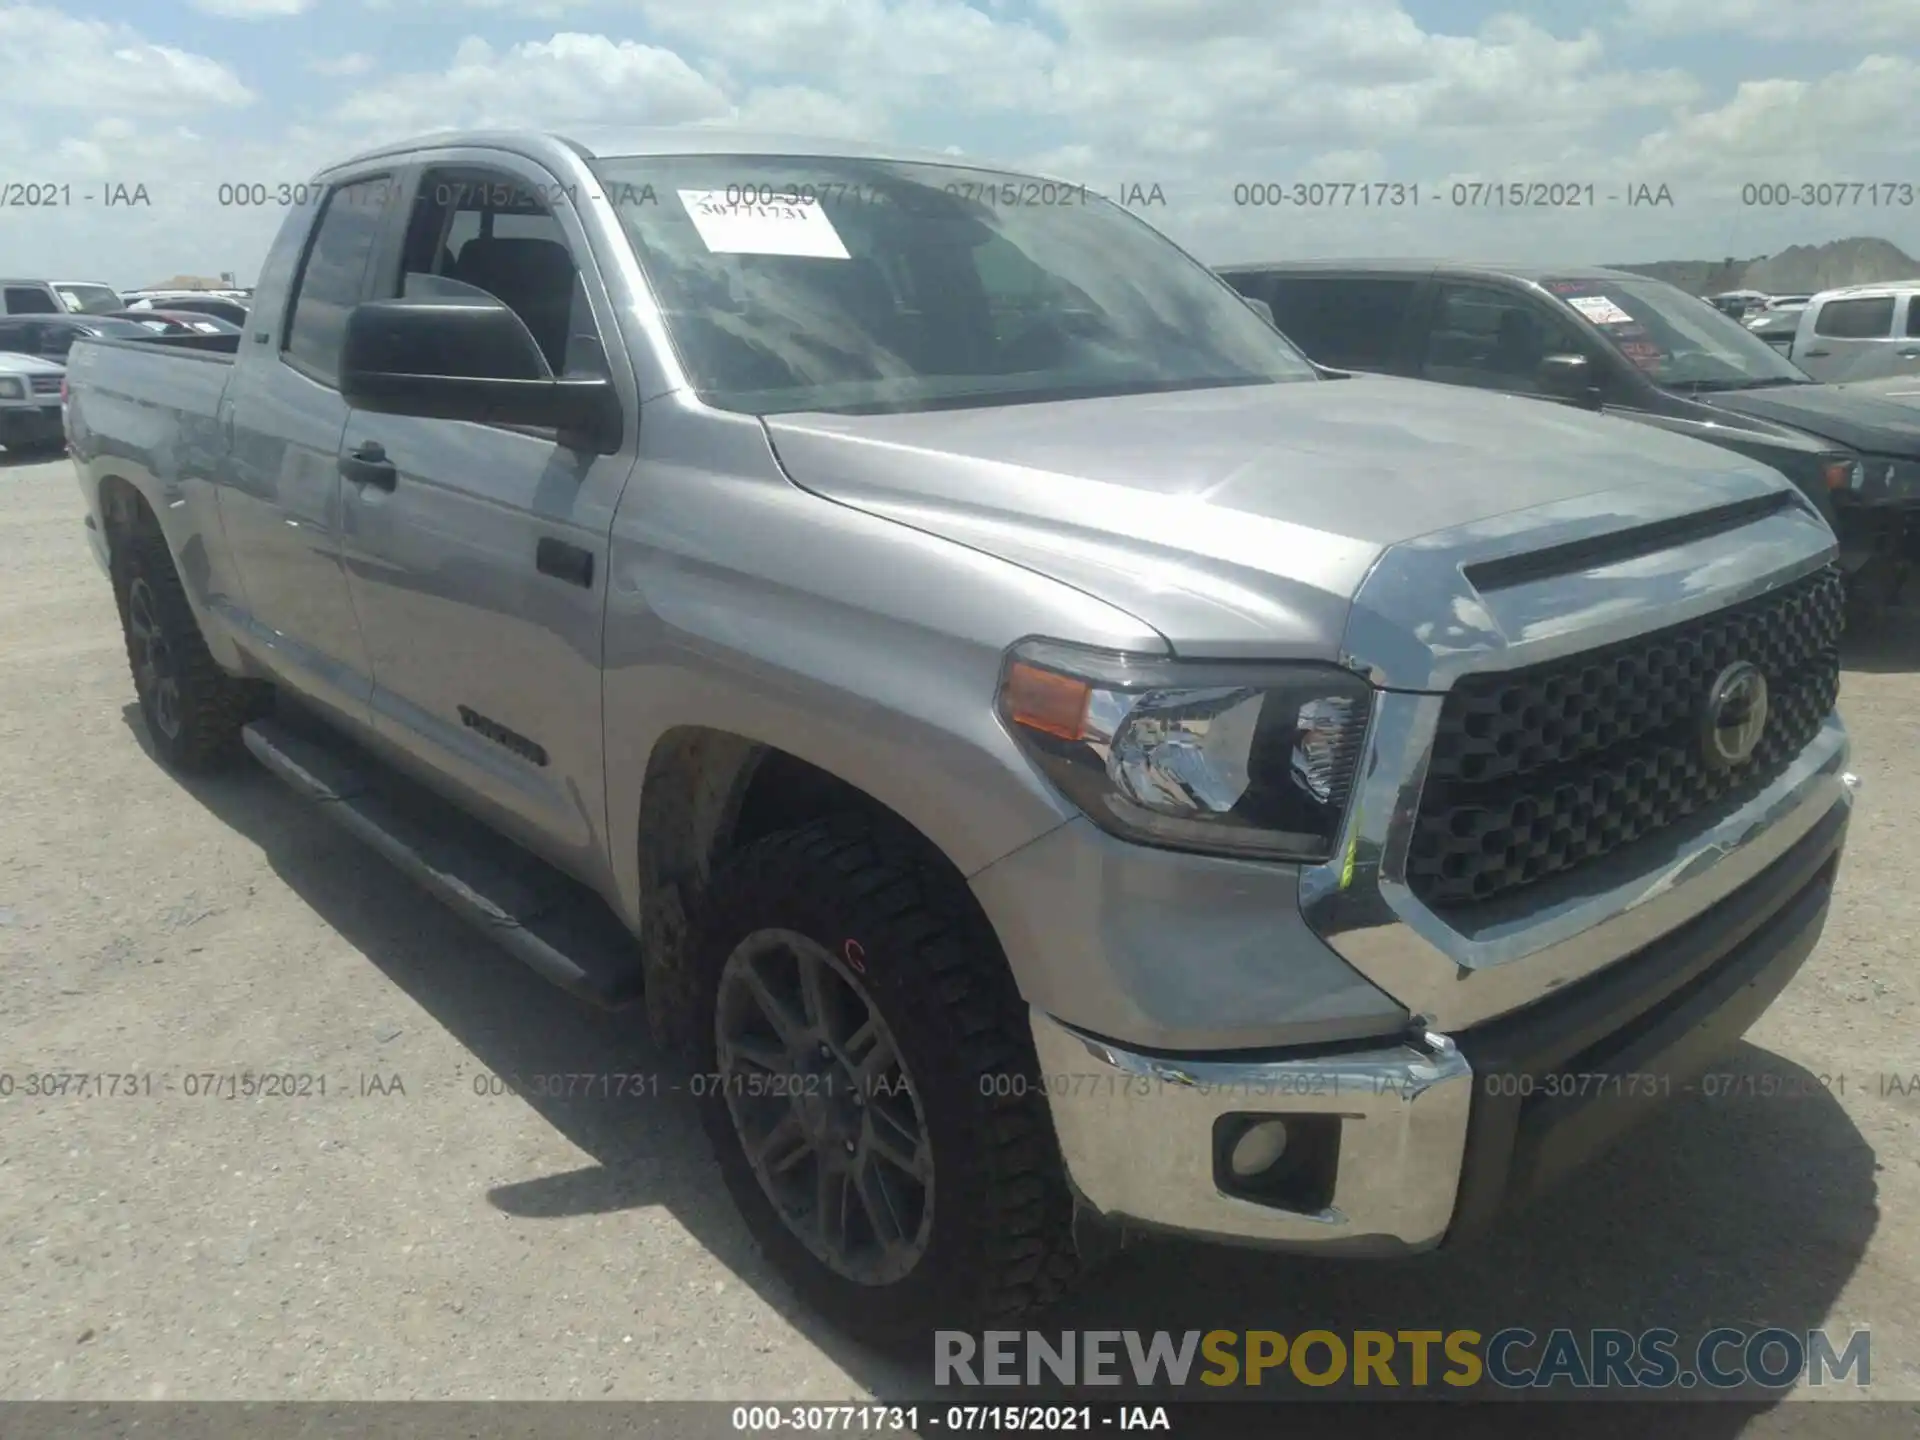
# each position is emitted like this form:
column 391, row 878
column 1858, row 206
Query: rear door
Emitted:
column 1842, row 329
column 478, row 558
column 283, row 415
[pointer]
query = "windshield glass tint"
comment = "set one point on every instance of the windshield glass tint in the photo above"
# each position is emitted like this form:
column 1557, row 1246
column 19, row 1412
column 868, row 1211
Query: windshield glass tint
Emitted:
column 799, row 283
column 89, row 299
column 1676, row 338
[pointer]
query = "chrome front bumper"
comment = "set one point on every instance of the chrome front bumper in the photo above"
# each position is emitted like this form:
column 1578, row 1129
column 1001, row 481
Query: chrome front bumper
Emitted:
column 1136, row 1134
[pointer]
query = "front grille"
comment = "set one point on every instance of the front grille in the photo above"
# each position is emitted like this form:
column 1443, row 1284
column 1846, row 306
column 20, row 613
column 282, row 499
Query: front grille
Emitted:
column 1539, row 770
column 46, row 384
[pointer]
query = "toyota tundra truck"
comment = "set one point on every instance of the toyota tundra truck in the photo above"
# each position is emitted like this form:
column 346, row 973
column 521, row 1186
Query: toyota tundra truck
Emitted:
column 1050, row 762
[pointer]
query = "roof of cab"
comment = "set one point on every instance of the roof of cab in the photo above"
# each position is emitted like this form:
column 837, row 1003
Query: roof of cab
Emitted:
column 609, row 143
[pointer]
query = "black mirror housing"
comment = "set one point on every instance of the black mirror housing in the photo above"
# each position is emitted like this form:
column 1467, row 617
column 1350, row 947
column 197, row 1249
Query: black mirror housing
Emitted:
column 1570, row 377
column 463, row 358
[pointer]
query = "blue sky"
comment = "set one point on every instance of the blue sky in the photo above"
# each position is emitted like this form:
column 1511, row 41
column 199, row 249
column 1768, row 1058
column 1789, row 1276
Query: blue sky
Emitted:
column 1702, row 96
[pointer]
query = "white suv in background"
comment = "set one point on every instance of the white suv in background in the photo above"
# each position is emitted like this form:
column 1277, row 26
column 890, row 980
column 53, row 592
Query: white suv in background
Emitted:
column 1860, row 332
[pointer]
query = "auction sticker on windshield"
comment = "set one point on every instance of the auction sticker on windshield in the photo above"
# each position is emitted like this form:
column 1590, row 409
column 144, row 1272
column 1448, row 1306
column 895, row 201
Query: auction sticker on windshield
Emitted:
column 729, row 226
column 1599, row 309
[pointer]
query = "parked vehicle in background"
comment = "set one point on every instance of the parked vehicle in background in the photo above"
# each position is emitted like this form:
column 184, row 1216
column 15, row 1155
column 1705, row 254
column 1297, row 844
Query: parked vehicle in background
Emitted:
column 51, row 336
column 1055, row 762
column 1777, row 321
column 1861, row 332
column 1737, row 302
column 179, row 322
column 1624, row 345
column 230, row 308
column 29, row 404
column 58, row 297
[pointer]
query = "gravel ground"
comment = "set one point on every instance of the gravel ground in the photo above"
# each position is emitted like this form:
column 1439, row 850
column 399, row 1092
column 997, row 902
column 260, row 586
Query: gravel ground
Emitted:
column 405, row 1236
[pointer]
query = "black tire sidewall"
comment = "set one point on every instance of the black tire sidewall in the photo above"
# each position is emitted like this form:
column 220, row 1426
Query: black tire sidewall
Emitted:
column 144, row 558
column 805, row 898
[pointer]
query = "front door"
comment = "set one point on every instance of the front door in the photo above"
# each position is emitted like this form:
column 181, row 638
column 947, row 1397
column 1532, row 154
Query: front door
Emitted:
column 280, row 496
column 477, row 554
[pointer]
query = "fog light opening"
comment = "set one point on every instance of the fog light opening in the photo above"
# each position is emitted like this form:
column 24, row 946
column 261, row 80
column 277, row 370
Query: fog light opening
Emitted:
column 1258, row 1149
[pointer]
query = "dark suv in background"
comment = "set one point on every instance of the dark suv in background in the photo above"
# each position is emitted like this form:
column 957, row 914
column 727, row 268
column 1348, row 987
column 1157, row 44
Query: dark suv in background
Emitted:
column 1624, row 344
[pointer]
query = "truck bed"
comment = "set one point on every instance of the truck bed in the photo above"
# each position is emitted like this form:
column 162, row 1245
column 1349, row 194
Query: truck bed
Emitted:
column 147, row 400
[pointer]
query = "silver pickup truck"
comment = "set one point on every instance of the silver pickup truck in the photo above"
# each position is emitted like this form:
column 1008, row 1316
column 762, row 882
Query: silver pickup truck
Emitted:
column 1056, row 763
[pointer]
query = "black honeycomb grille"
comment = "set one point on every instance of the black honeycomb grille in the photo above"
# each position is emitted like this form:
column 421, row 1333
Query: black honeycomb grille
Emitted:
column 1539, row 770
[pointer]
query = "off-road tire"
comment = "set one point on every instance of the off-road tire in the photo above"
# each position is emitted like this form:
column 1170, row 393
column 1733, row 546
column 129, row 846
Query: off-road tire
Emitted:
column 1001, row 1238
column 212, row 705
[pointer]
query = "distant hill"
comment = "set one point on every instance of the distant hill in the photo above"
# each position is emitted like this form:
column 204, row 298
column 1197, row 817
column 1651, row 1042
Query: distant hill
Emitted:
column 192, row 282
column 1797, row 270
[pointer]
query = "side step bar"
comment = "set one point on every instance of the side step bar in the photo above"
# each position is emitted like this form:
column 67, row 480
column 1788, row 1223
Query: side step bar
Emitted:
column 547, row 919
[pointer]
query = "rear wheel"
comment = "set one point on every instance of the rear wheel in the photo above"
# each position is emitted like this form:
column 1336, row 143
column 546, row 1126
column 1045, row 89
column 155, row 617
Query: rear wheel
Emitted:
column 194, row 710
column 866, row 1075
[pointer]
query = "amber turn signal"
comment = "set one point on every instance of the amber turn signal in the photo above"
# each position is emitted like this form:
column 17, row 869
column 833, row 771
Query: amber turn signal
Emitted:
column 1042, row 700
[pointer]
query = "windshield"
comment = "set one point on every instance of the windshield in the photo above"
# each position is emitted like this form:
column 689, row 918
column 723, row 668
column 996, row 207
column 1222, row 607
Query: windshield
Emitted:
column 807, row 283
column 1679, row 340
column 86, row 299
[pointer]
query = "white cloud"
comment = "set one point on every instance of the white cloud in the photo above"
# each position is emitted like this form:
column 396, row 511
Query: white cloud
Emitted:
column 1162, row 92
column 352, row 63
column 56, row 62
column 570, row 79
column 252, row 9
column 519, row 9
column 1853, row 22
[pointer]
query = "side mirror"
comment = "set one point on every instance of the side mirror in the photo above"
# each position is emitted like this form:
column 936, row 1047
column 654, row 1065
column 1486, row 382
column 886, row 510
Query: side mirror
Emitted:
column 1571, row 378
column 469, row 358
column 1262, row 309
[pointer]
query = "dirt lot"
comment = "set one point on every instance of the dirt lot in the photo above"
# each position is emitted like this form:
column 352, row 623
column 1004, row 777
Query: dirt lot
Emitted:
column 406, row 1236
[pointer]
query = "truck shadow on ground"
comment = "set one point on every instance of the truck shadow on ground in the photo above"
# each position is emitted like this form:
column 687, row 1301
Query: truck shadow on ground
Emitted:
column 1751, row 1210
column 1885, row 643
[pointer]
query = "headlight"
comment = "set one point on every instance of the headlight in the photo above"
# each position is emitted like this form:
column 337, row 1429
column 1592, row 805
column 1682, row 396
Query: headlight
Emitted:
column 1242, row 759
column 13, row 389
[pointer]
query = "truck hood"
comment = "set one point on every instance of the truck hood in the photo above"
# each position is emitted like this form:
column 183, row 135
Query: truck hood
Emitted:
column 1243, row 520
column 1854, row 415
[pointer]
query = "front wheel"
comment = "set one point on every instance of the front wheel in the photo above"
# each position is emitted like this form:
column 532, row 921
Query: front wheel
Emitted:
column 854, row 1069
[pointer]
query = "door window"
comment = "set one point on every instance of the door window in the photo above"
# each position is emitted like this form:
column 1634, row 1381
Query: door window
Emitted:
column 329, row 284
column 1348, row 323
column 491, row 231
column 1868, row 318
column 1913, row 313
column 1494, row 340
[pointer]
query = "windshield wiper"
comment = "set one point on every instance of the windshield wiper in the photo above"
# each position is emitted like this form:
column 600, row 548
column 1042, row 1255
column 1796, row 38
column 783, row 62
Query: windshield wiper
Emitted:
column 1721, row 387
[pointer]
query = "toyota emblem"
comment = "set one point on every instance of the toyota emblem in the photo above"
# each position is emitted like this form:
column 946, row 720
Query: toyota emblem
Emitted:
column 1736, row 715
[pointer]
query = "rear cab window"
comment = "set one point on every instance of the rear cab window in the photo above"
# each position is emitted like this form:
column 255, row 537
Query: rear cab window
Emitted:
column 1857, row 317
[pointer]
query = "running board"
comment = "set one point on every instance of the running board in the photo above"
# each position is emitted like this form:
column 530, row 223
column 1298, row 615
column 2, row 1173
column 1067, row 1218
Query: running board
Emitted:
column 549, row 920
